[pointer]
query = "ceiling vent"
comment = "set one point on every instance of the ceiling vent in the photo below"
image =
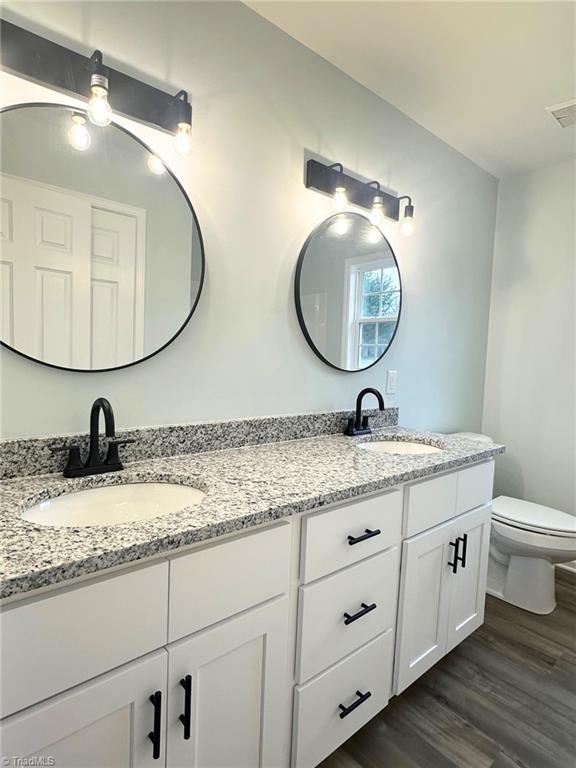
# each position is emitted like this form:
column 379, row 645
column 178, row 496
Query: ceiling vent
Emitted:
column 565, row 113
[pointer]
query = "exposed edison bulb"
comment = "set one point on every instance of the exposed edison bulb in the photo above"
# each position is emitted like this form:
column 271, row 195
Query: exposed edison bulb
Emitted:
column 183, row 138
column 99, row 111
column 79, row 135
column 341, row 225
column 156, row 166
column 407, row 226
column 377, row 212
column 340, row 201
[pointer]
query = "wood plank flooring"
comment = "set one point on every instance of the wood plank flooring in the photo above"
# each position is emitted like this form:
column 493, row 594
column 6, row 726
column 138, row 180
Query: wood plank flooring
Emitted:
column 504, row 698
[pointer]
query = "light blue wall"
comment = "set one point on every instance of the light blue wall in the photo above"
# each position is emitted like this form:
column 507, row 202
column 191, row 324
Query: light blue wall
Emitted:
column 530, row 399
column 260, row 101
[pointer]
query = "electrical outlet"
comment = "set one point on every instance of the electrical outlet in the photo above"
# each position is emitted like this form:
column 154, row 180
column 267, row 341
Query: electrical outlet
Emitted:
column 391, row 382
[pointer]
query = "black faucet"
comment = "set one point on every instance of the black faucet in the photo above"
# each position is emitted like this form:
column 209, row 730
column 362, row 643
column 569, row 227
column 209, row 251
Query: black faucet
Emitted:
column 94, row 464
column 101, row 404
column 359, row 425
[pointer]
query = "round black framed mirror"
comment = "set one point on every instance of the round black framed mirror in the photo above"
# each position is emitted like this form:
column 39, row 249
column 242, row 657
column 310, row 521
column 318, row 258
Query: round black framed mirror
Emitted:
column 102, row 254
column 348, row 292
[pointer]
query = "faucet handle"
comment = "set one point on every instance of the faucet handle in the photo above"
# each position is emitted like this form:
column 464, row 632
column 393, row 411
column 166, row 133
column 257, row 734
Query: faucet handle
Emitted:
column 74, row 459
column 113, row 457
column 350, row 431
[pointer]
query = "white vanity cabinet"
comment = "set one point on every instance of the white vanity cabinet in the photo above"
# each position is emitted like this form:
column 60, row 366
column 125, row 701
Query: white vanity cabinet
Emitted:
column 350, row 564
column 102, row 724
column 444, row 570
column 228, row 603
column 226, row 688
column 218, row 655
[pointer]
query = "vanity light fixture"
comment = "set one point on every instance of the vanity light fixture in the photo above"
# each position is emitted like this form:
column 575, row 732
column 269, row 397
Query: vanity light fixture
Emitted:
column 407, row 226
column 347, row 190
column 156, row 166
column 340, row 200
column 99, row 110
column 79, row 135
column 43, row 61
column 182, row 138
column 377, row 213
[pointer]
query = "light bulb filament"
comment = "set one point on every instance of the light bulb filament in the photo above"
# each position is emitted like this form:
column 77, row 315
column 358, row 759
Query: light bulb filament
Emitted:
column 99, row 110
column 183, row 138
column 79, row 135
column 340, row 201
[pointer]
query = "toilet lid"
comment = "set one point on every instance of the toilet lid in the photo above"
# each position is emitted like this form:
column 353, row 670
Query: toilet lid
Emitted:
column 533, row 517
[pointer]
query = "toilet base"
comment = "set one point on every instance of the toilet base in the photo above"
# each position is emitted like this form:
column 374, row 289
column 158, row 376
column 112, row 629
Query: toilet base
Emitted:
column 526, row 582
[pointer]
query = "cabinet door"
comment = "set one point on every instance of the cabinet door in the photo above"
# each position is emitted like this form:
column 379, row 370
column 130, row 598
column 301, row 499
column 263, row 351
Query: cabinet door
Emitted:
column 424, row 604
column 468, row 584
column 239, row 683
column 101, row 724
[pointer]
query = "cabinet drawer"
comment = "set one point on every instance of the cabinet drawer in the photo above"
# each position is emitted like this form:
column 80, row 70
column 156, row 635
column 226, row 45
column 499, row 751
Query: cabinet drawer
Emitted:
column 222, row 579
column 475, row 486
column 54, row 642
column 319, row 728
column 326, row 546
column 326, row 635
column 429, row 503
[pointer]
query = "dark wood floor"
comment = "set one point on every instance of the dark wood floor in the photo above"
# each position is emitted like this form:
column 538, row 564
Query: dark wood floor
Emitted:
column 505, row 698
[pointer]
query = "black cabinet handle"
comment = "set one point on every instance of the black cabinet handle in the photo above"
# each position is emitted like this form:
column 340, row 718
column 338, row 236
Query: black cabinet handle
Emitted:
column 365, row 609
column 367, row 535
column 464, row 540
column 154, row 735
column 360, row 700
column 186, row 683
column 454, row 563
column 459, row 558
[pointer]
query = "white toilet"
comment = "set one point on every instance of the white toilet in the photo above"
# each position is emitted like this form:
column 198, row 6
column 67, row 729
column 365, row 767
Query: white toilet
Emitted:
column 527, row 540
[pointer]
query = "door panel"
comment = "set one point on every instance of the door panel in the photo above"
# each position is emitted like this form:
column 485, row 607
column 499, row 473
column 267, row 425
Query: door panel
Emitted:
column 73, row 276
column 46, row 243
column 469, row 584
column 424, row 604
column 102, row 724
column 117, row 297
column 239, row 674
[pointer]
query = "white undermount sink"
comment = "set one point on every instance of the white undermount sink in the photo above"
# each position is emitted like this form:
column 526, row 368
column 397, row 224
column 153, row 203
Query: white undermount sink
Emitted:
column 113, row 505
column 399, row 447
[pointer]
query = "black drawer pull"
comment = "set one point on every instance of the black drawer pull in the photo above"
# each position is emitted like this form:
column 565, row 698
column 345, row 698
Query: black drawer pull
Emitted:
column 360, row 700
column 464, row 540
column 454, row 563
column 154, row 735
column 186, row 683
column 459, row 558
column 367, row 535
column 365, row 609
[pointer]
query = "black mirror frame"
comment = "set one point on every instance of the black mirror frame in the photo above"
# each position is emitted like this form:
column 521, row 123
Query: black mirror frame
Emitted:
column 200, row 240
column 300, row 314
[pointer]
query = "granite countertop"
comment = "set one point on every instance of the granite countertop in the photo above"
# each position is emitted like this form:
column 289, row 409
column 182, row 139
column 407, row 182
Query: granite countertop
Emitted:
column 244, row 487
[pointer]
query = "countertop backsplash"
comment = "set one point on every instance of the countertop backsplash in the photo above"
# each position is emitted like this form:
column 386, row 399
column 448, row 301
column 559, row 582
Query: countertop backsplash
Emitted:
column 34, row 456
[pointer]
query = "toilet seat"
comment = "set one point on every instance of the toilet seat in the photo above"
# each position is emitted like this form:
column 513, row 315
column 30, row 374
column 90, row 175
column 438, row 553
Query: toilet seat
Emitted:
column 537, row 518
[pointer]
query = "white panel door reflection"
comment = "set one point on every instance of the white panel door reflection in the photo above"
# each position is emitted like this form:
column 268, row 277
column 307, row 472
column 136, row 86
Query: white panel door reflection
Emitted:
column 72, row 277
column 117, row 287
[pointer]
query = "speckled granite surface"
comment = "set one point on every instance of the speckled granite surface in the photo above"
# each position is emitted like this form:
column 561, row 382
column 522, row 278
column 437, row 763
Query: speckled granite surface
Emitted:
column 34, row 456
column 244, row 487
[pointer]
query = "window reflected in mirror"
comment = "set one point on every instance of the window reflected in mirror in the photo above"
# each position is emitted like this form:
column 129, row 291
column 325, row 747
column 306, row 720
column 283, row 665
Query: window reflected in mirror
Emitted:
column 348, row 292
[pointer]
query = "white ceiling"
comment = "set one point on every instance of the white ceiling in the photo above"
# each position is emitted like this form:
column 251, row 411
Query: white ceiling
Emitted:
column 477, row 74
